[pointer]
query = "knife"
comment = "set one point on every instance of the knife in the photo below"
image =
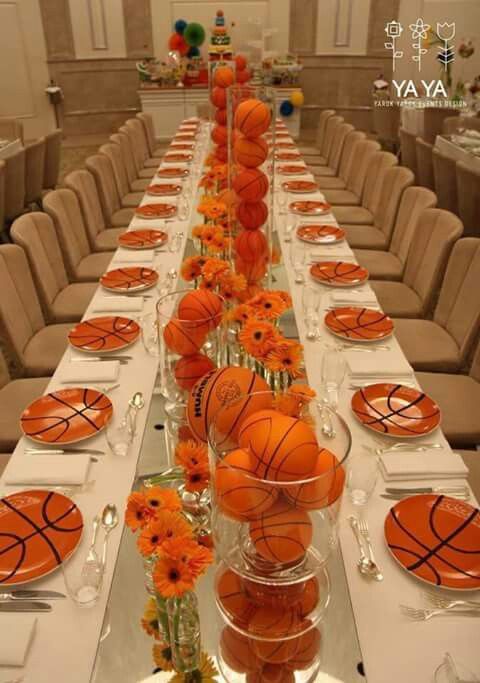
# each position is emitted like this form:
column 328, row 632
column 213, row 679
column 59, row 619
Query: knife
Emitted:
column 31, row 595
column 25, row 606
column 427, row 489
column 66, row 451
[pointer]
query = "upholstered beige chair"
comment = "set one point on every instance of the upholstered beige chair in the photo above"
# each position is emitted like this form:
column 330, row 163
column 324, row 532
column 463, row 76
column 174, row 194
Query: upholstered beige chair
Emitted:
column 468, row 192
column 114, row 214
column 14, row 185
column 11, row 129
column 459, row 399
column 127, row 198
column 4, row 460
column 3, row 233
column 61, row 301
column 34, row 170
column 424, row 164
column 136, row 184
column 445, row 174
column 355, row 183
column 433, row 119
column 100, row 236
column 155, row 148
column 82, row 265
column 38, row 347
column 363, row 215
column 408, row 150
column 15, row 396
column 443, row 344
column 453, row 124
column 386, row 122
column 328, row 140
column 336, row 151
column 393, row 182
column 203, row 111
column 472, row 461
column 141, row 171
column 389, row 265
column 141, row 147
column 53, row 152
column 415, row 295
column 316, row 148
column 339, row 182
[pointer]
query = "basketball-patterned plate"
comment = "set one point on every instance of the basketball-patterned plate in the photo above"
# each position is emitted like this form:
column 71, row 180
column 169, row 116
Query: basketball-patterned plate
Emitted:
column 164, row 189
column 175, row 158
column 185, row 137
column 395, row 410
column 38, row 531
column 359, row 324
column 288, row 156
column 291, row 169
column 66, row 416
column 285, row 145
column 339, row 273
column 310, row 208
column 107, row 333
column 173, row 172
column 437, row 539
column 300, row 186
column 156, row 211
column 320, row 234
column 129, row 279
column 181, row 145
column 142, row 239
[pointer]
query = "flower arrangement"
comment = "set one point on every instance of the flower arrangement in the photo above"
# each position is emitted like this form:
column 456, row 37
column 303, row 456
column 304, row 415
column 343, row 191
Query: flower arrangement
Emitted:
column 214, row 274
column 213, row 238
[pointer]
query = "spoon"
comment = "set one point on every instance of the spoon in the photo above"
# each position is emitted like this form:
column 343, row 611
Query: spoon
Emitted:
column 172, row 274
column 109, row 522
column 137, row 402
column 365, row 566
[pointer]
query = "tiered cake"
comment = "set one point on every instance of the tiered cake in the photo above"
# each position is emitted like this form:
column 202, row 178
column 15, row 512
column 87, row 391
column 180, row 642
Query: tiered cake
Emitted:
column 220, row 42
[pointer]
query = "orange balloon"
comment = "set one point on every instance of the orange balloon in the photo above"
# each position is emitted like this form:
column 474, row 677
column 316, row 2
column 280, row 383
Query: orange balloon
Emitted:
column 251, row 245
column 221, row 117
column 240, row 62
column 220, row 135
column 236, row 651
column 282, row 534
column 223, row 77
column 251, row 184
column 201, row 306
column 189, row 369
column 183, row 340
column 252, row 118
column 250, row 153
column 218, row 97
column 231, row 594
column 324, row 490
column 252, row 215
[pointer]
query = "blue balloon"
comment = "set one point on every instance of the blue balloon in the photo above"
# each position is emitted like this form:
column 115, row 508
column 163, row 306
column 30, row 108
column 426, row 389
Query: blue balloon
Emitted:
column 286, row 108
column 193, row 52
column 180, row 26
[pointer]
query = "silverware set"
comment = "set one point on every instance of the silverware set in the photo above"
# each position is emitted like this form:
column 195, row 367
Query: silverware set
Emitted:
column 400, row 447
column 366, row 564
column 123, row 360
column 28, row 600
column 420, row 614
column 458, row 492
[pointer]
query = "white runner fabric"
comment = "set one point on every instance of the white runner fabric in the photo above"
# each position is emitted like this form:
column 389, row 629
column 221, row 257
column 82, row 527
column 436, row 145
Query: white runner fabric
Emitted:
column 457, row 153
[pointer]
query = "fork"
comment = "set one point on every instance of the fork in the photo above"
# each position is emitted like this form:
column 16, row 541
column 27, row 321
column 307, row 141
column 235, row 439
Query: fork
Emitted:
column 399, row 447
column 363, row 528
column 418, row 614
column 442, row 602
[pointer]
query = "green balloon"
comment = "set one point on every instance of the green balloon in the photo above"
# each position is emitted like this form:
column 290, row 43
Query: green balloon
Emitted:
column 194, row 35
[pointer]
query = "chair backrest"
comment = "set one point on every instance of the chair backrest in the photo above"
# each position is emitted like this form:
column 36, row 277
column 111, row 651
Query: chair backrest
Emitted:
column 2, row 196
column 338, row 143
column 121, row 139
column 322, row 122
column 452, row 123
column 14, row 185
column 11, row 129
column 348, row 151
column 139, row 139
column 35, row 233
column 83, row 184
column 124, row 130
column 445, row 174
column 34, row 170
column 458, row 307
column 475, row 366
column 408, row 149
column 433, row 118
column 101, row 168
column 20, row 311
column 425, row 175
column 53, row 152
column 4, row 373
column 203, row 111
column 62, row 205
column 394, row 182
column 361, row 159
column 429, row 251
column 114, row 153
column 330, row 127
column 414, row 201
column 149, row 128
column 372, row 190
column 386, row 121
column 468, row 193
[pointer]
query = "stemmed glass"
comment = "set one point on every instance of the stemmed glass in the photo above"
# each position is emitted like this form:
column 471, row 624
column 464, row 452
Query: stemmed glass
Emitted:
column 333, row 374
column 362, row 474
column 150, row 334
column 183, row 207
column 311, row 304
column 297, row 259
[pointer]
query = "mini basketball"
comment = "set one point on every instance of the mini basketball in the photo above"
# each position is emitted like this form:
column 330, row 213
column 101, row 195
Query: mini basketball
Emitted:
column 282, row 534
column 220, row 135
column 231, row 594
column 251, row 245
column 230, row 387
column 324, row 490
column 274, row 623
column 221, row 117
column 252, row 215
column 250, row 153
column 240, row 62
column 252, row 118
column 221, row 152
column 274, row 596
column 183, row 340
column 189, row 369
column 254, row 271
column 218, row 97
column 201, row 306
column 251, row 184
column 307, row 652
column 271, row 673
column 310, row 597
column 223, row 77
column 243, row 76
column 185, row 433
column 238, row 492
column 285, row 447
column 237, row 652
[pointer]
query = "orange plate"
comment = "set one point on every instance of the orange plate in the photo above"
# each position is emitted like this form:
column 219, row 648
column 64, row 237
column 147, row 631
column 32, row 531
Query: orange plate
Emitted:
column 310, row 208
column 185, row 136
column 320, row 234
column 338, row 273
column 173, row 172
column 300, row 186
column 174, row 158
column 437, row 539
column 38, row 531
column 359, row 324
column 107, row 333
column 162, row 189
column 156, row 211
column 129, row 279
column 181, row 145
column 285, row 145
column 66, row 416
column 290, row 169
column 395, row 410
column 142, row 239
column 288, row 156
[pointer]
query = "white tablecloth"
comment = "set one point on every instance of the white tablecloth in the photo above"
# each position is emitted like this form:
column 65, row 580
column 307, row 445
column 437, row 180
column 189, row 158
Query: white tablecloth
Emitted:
column 10, row 148
column 457, row 153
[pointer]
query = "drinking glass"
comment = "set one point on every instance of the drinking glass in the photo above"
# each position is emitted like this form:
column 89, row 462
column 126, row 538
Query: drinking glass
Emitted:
column 297, row 259
column 183, row 208
column 333, row 374
column 288, row 228
column 120, row 434
column 150, row 336
column 175, row 242
column 282, row 202
column 362, row 474
column 311, row 304
column 83, row 583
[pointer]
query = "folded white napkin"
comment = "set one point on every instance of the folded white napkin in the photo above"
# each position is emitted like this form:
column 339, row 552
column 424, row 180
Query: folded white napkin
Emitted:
column 118, row 304
column 45, row 470
column 17, row 632
column 90, row 371
column 354, row 298
column 134, row 256
column 382, row 364
column 407, row 466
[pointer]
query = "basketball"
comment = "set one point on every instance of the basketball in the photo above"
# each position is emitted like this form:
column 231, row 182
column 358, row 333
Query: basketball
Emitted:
column 285, row 447
column 252, row 215
column 184, row 432
column 189, row 369
column 251, row 184
column 238, row 493
column 252, row 118
column 220, row 135
column 310, row 597
column 274, row 596
column 268, row 622
column 251, row 245
column 183, row 340
column 201, row 306
column 221, row 152
column 237, row 652
column 231, row 594
column 244, row 76
column 253, row 271
column 223, row 77
column 271, row 673
column 250, row 153
column 282, row 533
column 221, row 117
column 218, row 97
column 322, row 491
column 240, row 62
column 307, row 651
column 219, row 388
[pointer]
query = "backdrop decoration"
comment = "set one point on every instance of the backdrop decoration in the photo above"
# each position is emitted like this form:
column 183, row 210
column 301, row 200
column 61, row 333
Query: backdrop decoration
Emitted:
column 297, row 98
column 176, row 43
column 286, row 108
column 194, row 34
column 180, row 26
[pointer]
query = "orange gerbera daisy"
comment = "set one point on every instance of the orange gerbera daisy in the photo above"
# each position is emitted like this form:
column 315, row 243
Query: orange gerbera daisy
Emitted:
column 285, row 296
column 191, row 269
column 303, row 391
column 268, row 305
column 149, row 620
column 191, row 454
column 191, row 553
column 168, row 525
column 172, row 577
column 231, row 284
column 240, row 314
column 208, row 233
column 215, row 209
column 137, row 514
column 159, row 499
column 197, row 478
column 213, row 267
column 162, row 656
column 197, row 231
column 288, row 405
column 258, row 337
column 286, row 357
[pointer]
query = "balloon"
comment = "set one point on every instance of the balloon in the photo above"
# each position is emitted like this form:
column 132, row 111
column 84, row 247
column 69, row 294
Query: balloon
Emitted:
column 180, row 26
column 243, row 75
column 194, row 34
column 241, row 62
column 297, row 98
column 193, row 52
column 286, row 108
column 177, row 42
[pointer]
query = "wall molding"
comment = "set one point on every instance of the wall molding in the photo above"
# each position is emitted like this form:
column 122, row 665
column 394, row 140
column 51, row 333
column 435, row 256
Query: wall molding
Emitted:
column 339, row 39
column 57, row 27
